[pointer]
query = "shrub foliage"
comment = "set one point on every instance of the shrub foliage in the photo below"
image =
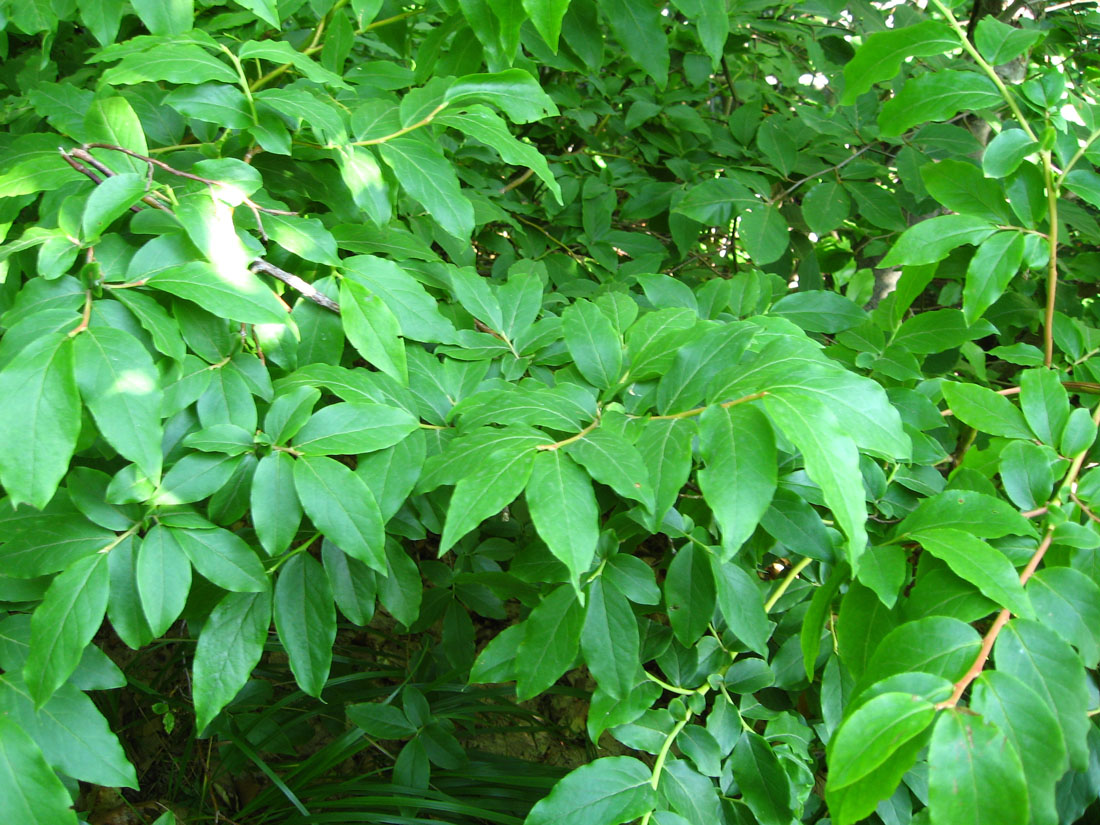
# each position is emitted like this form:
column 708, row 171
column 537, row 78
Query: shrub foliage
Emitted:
column 738, row 353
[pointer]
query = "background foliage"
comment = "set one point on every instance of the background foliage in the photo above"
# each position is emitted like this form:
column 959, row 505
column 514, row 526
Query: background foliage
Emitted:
column 733, row 361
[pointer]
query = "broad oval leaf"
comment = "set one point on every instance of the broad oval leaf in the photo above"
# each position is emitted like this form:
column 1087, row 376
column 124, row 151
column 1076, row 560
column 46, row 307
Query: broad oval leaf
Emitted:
column 342, row 507
column 608, row 791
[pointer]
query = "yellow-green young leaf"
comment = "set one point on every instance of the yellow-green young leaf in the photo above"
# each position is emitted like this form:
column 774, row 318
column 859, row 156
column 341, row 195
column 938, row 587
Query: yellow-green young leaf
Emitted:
column 229, row 646
column 593, row 343
column 244, row 298
column 71, row 731
column 975, row 775
column 163, row 574
column 373, row 330
column 64, row 624
column 932, row 240
column 342, row 507
column 493, row 485
column 31, row 791
column 881, row 55
column 563, row 508
column 690, row 593
column 764, row 784
column 305, row 616
column 608, row 791
column 430, row 179
column 546, row 16
column 609, row 638
column 551, row 638
column 109, row 201
column 39, row 419
column 224, row 559
column 936, row 96
column 354, row 427
column 1032, row 731
column 985, row 410
column 990, row 271
column 979, row 563
column 1041, row 659
column 872, row 734
column 120, row 384
column 514, row 91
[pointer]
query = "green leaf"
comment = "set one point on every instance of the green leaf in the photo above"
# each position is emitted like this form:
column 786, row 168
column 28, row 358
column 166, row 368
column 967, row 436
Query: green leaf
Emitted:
column 741, row 605
column 639, row 29
column 64, row 624
column 975, row 774
column 266, row 10
column 229, row 646
column 546, row 16
column 102, row 18
column 416, row 311
column 372, row 329
column 985, row 567
column 39, row 419
column 194, row 477
column 32, row 791
column 124, row 608
column 276, row 511
column 342, row 507
column 938, row 645
column 280, row 52
column 109, row 201
column 305, row 237
column 858, row 800
column 162, row 328
column 1026, row 474
column 665, row 446
column 1039, row 658
column 213, row 103
column 764, row 784
column 563, row 509
column 612, row 460
column 882, row 53
column 936, row 96
column 380, row 721
column 119, row 383
column 990, row 271
column 714, row 201
column 690, row 593
column 819, row 311
column 496, row 662
column 305, row 616
column 1085, row 184
column 550, row 643
column 492, row 486
column 483, row 124
column 934, row 331
column 1004, row 154
column 165, row 16
column 1032, row 732
column 363, row 177
column 400, row 591
column 593, row 343
column 353, row 583
column 607, row 791
column 813, row 622
column 985, row 410
column 872, row 734
column 609, row 639
column 697, row 363
column 514, row 91
column 1068, row 602
column 1078, row 434
column 224, row 559
column 430, row 178
column 825, row 207
column 1001, row 43
column 171, row 62
column 974, row 512
column 737, row 446
column 163, row 574
column 1045, row 404
column 832, row 462
column 960, row 187
column 354, row 427
column 932, row 240
column 764, row 232
column 243, row 298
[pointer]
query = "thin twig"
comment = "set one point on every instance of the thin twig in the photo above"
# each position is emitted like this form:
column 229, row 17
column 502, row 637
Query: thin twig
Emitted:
column 305, row 287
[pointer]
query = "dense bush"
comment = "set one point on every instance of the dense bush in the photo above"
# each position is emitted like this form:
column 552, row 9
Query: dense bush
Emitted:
column 734, row 358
